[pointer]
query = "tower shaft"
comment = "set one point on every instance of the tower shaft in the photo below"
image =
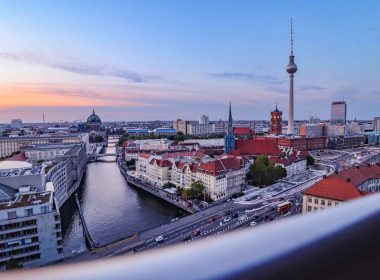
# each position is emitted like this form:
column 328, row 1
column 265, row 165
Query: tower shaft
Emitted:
column 291, row 105
column 291, row 68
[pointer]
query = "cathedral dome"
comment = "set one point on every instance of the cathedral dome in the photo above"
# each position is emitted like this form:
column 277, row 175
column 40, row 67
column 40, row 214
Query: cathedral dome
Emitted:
column 93, row 118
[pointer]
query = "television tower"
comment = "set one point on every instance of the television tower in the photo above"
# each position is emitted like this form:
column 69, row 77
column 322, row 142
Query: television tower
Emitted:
column 291, row 69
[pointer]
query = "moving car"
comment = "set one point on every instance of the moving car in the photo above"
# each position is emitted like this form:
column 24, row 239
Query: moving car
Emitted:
column 159, row 238
column 212, row 219
column 186, row 238
column 227, row 219
column 196, row 232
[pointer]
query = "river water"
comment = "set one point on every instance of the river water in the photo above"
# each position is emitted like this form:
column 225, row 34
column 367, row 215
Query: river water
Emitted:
column 112, row 209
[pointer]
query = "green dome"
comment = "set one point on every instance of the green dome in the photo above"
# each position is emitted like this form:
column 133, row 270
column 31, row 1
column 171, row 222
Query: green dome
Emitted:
column 93, row 118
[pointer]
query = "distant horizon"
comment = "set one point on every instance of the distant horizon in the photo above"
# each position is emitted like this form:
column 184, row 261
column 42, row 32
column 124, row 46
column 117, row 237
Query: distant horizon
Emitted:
column 152, row 60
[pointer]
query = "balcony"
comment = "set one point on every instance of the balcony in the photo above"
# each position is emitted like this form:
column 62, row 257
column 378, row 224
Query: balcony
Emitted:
column 337, row 243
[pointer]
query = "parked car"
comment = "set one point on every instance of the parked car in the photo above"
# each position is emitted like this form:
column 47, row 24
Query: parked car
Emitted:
column 252, row 224
column 234, row 216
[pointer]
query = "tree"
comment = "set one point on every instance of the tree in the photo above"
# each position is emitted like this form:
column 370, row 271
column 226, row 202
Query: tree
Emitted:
column 264, row 173
column 310, row 160
column 196, row 191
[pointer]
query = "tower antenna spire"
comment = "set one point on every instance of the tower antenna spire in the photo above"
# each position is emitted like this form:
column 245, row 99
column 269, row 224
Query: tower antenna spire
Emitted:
column 291, row 36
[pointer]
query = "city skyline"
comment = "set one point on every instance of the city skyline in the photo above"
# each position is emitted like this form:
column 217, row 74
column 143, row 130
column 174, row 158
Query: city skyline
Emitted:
column 135, row 61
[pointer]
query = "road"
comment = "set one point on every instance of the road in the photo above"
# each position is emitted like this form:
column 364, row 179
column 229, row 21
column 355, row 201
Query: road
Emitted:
column 174, row 232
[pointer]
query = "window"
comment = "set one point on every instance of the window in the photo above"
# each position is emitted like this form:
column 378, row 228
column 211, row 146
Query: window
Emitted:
column 315, row 208
column 309, row 199
column 336, row 203
column 309, row 209
column 322, row 202
column 28, row 212
column 329, row 203
column 44, row 209
column 316, row 200
column 12, row 215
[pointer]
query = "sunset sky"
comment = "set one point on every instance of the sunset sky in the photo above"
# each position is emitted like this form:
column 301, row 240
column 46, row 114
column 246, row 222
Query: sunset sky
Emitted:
column 148, row 60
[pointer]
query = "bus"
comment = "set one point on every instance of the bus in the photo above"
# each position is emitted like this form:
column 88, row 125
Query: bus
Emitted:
column 283, row 207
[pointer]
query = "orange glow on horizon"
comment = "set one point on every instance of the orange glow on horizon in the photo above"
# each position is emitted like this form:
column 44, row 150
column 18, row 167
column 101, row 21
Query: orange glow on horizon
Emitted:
column 16, row 96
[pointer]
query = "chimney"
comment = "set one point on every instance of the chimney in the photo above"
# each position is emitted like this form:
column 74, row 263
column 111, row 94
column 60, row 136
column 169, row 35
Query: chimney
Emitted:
column 324, row 176
column 348, row 179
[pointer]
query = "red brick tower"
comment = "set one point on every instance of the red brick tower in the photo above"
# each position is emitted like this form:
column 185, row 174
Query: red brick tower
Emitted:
column 276, row 122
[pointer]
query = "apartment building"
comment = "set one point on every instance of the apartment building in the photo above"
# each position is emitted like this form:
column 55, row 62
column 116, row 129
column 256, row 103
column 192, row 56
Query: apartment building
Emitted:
column 65, row 173
column 30, row 227
column 46, row 152
column 222, row 177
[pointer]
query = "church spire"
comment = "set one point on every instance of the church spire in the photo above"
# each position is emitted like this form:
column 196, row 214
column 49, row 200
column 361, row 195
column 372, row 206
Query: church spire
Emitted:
column 229, row 131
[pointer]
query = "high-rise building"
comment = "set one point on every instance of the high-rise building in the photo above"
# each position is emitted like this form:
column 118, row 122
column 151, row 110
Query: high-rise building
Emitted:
column 376, row 124
column 229, row 138
column 180, row 126
column 16, row 124
column 338, row 112
column 291, row 68
column 276, row 122
column 314, row 120
column 204, row 120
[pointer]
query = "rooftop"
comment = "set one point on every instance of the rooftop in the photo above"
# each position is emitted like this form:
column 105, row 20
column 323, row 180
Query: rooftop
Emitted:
column 27, row 199
column 11, row 164
column 334, row 188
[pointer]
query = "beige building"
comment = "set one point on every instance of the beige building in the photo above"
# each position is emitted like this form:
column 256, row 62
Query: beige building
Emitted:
column 9, row 145
column 183, row 174
column 222, row 177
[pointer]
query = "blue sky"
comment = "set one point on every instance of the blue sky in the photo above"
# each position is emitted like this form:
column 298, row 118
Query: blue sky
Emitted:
column 147, row 60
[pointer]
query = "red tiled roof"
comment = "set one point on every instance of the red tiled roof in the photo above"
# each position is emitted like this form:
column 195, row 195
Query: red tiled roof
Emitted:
column 359, row 174
column 334, row 188
column 144, row 156
column 258, row 146
column 221, row 165
column 160, row 162
column 241, row 130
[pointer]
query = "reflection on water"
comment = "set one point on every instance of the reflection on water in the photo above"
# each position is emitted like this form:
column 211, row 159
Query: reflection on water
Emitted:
column 112, row 209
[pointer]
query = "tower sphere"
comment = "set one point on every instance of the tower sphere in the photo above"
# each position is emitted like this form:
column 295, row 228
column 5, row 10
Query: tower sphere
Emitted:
column 291, row 68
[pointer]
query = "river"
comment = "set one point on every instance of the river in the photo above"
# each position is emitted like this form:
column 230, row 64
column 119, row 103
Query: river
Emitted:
column 112, row 209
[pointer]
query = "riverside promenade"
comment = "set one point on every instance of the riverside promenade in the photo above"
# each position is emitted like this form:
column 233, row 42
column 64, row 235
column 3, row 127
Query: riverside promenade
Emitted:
column 158, row 192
